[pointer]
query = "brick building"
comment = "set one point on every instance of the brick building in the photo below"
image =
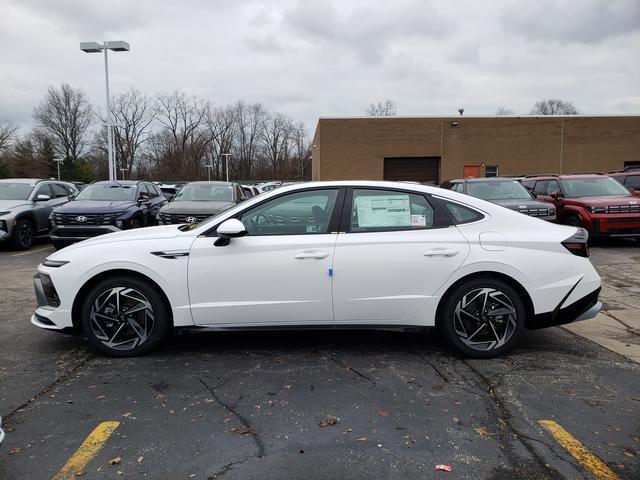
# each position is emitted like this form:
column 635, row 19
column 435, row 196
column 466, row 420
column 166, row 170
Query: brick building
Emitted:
column 441, row 148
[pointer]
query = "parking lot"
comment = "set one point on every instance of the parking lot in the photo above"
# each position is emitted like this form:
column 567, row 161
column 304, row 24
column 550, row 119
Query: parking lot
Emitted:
column 331, row 404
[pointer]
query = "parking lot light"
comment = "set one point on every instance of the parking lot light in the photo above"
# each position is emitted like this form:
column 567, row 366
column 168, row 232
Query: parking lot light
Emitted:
column 95, row 47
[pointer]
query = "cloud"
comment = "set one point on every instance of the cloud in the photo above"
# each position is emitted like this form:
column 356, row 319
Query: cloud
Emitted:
column 565, row 21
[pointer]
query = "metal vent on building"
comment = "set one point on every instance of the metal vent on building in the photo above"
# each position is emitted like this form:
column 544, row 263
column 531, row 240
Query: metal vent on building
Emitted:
column 416, row 169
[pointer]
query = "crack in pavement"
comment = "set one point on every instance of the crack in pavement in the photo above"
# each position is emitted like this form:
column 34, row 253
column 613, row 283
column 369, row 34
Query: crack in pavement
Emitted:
column 349, row 368
column 631, row 329
column 506, row 421
column 245, row 423
column 428, row 362
column 226, row 468
column 64, row 376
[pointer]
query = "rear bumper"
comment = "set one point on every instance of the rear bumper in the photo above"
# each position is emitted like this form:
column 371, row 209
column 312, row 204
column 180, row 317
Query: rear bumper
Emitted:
column 582, row 309
column 77, row 233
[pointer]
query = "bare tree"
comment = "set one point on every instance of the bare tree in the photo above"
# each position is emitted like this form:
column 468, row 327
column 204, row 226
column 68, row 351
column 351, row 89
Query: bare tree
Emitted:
column 382, row 109
column 302, row 150
column 276, row 142
column 223, row 126
column 250, row 123
column 64, row 115
column 504, row 111
column 184, row 137
column 133, row 112
column 8, row 131
column 554, row 106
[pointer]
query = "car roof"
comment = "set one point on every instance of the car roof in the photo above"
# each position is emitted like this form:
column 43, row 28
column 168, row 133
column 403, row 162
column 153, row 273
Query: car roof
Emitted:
column 564, row 176
column 484, row 179
column 124, row 183
column 22, row 180
column 212, row 183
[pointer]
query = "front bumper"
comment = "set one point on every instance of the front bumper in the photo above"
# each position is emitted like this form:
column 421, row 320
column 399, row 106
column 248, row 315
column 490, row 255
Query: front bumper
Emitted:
column 6, row 227
column 582, row 309
column 619, row 225
column 77, row 233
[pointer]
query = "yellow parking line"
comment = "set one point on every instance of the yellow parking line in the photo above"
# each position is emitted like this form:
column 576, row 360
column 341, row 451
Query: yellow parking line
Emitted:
column 31, row 251
column 91, row 445
column 577, row 449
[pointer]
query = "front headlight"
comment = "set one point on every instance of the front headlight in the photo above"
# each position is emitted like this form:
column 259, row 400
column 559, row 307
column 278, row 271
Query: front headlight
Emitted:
column 54, row 263
column 598, row 209
column 4, row 213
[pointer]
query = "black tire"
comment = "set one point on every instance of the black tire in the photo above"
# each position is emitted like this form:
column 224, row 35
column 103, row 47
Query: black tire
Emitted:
column 22, row 235
column 453, row 324
column 60, row 244
column 136, row 222
column 572, row 221
column 149, row 328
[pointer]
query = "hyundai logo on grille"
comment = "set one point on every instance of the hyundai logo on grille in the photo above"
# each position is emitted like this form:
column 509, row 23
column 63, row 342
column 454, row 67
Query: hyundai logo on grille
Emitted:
column 81, row 219
column 191, row 219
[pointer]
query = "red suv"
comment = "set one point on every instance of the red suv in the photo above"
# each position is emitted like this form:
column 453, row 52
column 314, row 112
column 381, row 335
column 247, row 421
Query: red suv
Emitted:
column 594, row 201
column 629, row 177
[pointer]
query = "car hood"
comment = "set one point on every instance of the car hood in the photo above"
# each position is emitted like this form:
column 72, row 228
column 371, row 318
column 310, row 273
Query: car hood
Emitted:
column 147, row 233
column 94, row 206
column 607, row 200
column 10, row 204
column 515, row 204
column 195, row 208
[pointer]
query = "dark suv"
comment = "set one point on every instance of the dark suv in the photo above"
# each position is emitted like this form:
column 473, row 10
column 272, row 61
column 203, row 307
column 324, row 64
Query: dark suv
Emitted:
column 594, row 201
column 629, row 177
column 105, row 207
column 507, row 192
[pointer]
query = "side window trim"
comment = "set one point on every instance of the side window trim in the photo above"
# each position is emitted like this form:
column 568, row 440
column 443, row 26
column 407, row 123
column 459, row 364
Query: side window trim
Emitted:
column 453, row 222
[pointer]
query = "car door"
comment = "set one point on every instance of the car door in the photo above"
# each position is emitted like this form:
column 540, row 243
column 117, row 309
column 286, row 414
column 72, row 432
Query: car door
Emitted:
column 279, row 273
column 156, row 202
column 42, row 208
column 396, row 252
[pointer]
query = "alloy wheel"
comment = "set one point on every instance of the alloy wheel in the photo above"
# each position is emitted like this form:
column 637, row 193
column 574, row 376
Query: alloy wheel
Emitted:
column 25, row 234
column 485, row 319
column 122, row 318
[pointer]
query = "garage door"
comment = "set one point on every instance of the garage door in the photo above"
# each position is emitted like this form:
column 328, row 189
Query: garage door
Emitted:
column 417, row 169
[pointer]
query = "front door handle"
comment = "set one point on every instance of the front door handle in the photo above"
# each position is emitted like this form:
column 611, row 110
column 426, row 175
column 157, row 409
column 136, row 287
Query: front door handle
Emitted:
column 316, row 255
column 440, row 252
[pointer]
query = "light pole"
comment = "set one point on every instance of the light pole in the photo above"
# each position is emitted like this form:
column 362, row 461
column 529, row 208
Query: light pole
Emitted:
column 208, row 166
column 226, row 158
column 123, row 170
column 95, row 47
column 58, row 161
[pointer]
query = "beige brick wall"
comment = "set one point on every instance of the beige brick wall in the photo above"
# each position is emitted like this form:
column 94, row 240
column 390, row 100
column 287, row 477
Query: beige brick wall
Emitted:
column 355, row 148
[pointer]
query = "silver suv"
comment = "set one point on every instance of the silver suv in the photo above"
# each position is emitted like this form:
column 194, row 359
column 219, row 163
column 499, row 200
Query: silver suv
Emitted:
column 25, row 206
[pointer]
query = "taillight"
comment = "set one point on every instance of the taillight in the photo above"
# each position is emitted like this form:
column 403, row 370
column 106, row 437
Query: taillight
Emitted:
column 577, row 243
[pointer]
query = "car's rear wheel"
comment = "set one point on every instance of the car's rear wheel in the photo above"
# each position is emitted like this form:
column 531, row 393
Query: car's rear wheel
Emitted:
column 482, row 318
column 23, row 233
column 124, row 317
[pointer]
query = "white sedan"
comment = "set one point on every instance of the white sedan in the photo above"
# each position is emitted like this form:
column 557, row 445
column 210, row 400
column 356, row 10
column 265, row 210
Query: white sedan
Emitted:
column 326, row 255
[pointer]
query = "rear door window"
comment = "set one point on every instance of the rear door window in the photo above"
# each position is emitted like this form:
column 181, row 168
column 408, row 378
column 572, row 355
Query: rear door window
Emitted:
column 389, row 210
column 632, row 181
column 541, row 187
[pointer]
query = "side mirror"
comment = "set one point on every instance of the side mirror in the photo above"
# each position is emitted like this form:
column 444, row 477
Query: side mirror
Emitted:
column 42, row 198
column 555, row 195
column 72, row 196
column 229, row 229
column 634, row 192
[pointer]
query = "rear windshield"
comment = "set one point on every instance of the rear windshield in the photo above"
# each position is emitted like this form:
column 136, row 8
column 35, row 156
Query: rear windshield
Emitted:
column 108, row 193
column 15, row 191
column 592, row 187
column 512, row 190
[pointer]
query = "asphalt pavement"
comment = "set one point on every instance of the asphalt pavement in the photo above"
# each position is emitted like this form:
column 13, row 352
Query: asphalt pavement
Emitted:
column 314, row 405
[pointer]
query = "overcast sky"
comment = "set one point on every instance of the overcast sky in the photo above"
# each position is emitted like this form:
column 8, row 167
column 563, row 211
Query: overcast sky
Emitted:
column 312, row 58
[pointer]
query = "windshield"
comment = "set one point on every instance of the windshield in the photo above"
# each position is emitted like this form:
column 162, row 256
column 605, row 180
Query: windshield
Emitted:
column 492, row 190
column 15, row 191
column 593, row 187
column 108, row 193
column 205, row 193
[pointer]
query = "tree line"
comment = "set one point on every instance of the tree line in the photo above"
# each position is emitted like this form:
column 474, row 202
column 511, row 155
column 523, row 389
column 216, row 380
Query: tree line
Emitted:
column 166, row 136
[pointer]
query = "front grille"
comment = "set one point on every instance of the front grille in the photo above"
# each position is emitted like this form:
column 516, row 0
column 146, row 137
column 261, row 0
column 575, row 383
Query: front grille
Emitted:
column 84, row 219
column 536, row 212
column 625, row 220
column 623, row 209
column 169, row 218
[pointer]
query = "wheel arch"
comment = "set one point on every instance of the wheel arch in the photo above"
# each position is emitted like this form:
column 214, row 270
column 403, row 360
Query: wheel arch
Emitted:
column 90, row 283
column 524, row 295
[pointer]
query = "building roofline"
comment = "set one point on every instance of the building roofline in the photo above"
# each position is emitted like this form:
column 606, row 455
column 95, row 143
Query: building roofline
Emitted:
column 458, row 117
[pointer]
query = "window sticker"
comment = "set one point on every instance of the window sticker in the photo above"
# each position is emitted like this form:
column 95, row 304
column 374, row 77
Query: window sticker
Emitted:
column 383, row 211
column 418, row 220
column 312, row 228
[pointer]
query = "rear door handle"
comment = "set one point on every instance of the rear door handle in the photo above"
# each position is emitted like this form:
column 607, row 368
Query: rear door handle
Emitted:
column 312, row 255
column 440, row 252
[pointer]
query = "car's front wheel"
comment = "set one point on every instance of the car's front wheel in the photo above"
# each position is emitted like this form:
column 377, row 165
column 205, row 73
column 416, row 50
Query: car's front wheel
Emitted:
column 23, row 233
column 124, row 317
column 482, row 318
